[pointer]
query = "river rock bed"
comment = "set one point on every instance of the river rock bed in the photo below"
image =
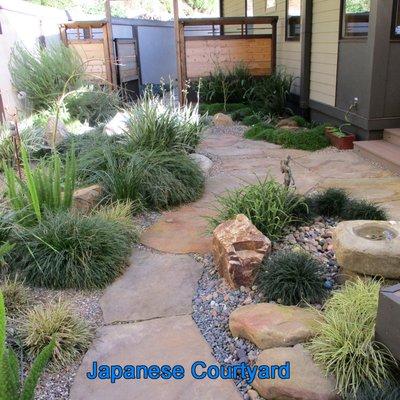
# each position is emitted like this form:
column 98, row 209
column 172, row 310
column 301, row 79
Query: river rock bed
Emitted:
column 215, row 300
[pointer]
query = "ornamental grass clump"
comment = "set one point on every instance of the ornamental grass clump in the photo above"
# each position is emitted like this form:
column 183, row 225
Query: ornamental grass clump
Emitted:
column 345, row 345
column 16, row 295
column 391, row 391
column 290, row 278
column 70, row 250
column 364, row 210
column 158, row 123
column 155, row 179
column 44, row 74
column 71, row 333
column 269, row 205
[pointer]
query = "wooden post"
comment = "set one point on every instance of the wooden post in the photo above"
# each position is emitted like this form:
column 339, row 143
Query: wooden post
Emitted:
column 273, row 50
column 179, row 37
column 110, row 43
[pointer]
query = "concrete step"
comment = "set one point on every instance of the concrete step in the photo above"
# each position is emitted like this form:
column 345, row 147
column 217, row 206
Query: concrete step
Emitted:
column 384, row 153
column 392, row 136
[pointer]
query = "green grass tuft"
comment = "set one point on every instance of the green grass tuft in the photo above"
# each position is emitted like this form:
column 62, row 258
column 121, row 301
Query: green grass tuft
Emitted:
column 16, row 295
column 290, row 278
column 364, row 210
column 215, row 108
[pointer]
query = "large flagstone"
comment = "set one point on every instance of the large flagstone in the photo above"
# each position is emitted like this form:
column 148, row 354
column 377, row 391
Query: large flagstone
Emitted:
column 165, row 341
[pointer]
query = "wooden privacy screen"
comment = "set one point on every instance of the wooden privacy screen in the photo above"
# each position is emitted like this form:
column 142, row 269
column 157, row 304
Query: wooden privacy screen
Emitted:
column 205, row 44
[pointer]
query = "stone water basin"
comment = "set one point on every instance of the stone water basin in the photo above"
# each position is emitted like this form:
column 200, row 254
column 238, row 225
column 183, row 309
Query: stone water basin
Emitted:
column 369, row 248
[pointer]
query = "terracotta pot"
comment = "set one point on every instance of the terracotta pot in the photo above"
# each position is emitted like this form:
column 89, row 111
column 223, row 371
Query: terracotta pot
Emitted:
column 341, row 143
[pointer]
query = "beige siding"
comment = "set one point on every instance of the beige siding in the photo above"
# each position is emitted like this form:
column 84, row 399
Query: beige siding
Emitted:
column 288, row 54
column 234, row 8
column 324, row 53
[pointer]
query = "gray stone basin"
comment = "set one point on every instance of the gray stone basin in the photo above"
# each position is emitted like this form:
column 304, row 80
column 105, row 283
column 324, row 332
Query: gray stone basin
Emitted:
column 369, row 248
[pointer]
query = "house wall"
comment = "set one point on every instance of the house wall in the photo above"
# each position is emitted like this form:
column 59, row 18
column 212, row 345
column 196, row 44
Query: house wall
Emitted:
column 324, row 51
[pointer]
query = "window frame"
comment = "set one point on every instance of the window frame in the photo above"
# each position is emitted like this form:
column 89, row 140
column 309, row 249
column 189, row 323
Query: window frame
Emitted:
column 287, row 37
column 342, row 25
column 395, row 11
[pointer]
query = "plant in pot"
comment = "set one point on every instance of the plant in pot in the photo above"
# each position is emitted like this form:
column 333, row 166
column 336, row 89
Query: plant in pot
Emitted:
column 339, row 138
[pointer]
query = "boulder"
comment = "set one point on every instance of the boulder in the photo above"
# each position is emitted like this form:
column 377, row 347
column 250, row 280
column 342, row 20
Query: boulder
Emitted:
column 85, row 199
column 272, row 325
column 221, row 119
column 54, row 135
column 306, row 382
column 288, row 123
column 239, row 249
column 118, row 125
column 368, row 248
column 204, row 163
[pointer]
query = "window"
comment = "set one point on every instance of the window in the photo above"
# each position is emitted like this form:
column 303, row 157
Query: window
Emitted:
column 355, row 18
column 293, row 19
column 270, row 5
column 250, row 8
column 396, row 20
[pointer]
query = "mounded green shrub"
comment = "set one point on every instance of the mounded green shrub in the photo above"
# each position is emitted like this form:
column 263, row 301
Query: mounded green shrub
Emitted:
column 241, row 113
column 363, row 210
column 391, row 391
column 45, row 73
column 291, row 278
column 71, row 333
column 345, row 345
column 69, row 250
column 252, row 120
column 309, row 139
column 268, row 204
column 156, row 179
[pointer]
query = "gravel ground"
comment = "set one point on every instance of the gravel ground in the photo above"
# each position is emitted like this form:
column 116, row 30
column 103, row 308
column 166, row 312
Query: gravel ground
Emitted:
column 215, row 300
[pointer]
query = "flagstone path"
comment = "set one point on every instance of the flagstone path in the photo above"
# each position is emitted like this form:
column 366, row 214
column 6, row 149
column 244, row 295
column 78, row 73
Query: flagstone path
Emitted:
column 147, row 311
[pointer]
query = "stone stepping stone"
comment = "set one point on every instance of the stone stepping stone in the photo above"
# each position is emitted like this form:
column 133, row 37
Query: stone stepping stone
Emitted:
column 172, row 341
column 307, row 381
column 272, row 325
column 155, row 285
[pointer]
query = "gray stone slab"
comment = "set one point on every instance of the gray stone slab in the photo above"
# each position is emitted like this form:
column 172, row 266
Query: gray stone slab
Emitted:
column 172, row 341
column 155, row 285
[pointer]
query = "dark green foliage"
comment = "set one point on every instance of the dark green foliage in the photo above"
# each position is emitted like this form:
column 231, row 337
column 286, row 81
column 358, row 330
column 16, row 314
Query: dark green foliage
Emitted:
column 301, row 121
column 252, row 120
column 215, row 108
column 94, row 104
column 271, row 92
column 363, row 210
column 157, row 179
column 292, row 277
column 368, row 391
column 268, row 204
column 308, row 139
column 241, row 113
column 45, row 73
column 329, row 203
column 69, row 250
column 226, row 86
column 10, row 384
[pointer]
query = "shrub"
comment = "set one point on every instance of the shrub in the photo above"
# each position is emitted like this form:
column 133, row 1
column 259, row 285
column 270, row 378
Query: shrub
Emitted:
column 93, row 104
column 215, row 108
column 267, row 204
column 45, row 73
column 309, row 139
column 16, row 295
column 226, row 85
column 329, row 203
column 271, row 92
column 363, row 209
column 11, row 387
column 252, row 120
column 391, row 391
column 244, row 112
column 157, row 179
column 345, row 345
column 71, row 333
column 44, row 188
column 158, row 124
column 292, row 277
column 69, row 250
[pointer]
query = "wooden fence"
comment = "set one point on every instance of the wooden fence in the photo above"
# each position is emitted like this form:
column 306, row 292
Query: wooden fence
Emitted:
column 204, row 44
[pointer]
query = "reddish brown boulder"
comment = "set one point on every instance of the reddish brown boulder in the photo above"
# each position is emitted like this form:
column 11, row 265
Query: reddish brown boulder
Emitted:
column 221, row 119
column 85, row 199
column 239, row 249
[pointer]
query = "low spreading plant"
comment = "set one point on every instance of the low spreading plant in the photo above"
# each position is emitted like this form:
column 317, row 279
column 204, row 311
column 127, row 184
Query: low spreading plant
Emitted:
column 16, row 295
column 93, row 104
column 268, row 204
column 11, row 385
column 156, row 123
column 69, row 250
column 290, row 278
column 72, row 335
column 156, row 179
column 345, row 345
column 363, row 210
column 50, row 186
column 45, row 73
column 308, row 139
column 391, row 391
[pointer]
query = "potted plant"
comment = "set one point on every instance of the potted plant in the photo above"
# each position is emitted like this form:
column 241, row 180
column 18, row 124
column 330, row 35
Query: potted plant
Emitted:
column 340, row 139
